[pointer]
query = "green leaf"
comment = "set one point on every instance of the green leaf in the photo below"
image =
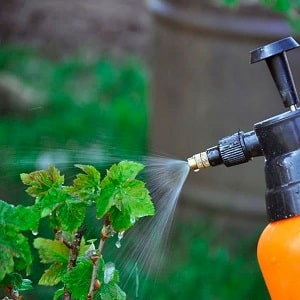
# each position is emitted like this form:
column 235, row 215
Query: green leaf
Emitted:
column 112, row 291
column 58, row 294
column 5, row 209
column 106, row 200
column 6, row 261
column 55, row 253
column 40, row 182
column 109, row 278
column 124, row 171
column 86, row 186
column 54, row 274
column 50, row 201
column 25, row 218
column 51, row 251
column 125, row 197
column 13, row 279
column 15, row 253
column 78, row 279
column 70, row 215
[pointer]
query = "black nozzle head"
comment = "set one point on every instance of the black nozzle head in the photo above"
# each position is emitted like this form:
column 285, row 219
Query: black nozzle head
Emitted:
column 272, row 49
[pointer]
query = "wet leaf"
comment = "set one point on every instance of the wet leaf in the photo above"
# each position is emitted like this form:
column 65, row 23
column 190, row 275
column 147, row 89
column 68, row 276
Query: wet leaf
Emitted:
column 15, row 253
column 53, row 275
column 123, row 196
column 78, row 279
column 25, row 218
column 40, row 182
column 86, row 186
column 51, row 251
column 112, row 291
column 70, row 215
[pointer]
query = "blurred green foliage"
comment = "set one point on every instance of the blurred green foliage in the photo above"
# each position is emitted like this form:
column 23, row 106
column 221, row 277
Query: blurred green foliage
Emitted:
column 202, row 264
column 101, row 102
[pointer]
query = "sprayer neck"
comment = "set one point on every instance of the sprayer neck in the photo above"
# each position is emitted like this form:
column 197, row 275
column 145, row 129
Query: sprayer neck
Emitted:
column 230, row 151
column 280, row 141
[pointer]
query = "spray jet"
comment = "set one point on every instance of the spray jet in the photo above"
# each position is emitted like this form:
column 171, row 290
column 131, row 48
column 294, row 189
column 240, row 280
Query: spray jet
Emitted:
column 278, row 140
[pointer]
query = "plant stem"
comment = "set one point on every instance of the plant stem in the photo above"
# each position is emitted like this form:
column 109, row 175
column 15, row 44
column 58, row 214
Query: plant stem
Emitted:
column 95, row 268
column 74, row 249
column 10, row 291
column 107, row 231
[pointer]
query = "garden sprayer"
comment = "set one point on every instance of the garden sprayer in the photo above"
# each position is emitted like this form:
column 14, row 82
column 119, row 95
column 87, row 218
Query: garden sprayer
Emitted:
column 278, row 140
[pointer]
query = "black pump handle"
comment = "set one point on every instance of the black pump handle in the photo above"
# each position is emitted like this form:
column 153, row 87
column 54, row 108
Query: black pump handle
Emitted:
column 275, row 56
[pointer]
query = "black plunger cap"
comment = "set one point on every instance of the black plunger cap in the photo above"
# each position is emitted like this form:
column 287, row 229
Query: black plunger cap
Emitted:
column 272, row 49
column 275, row 56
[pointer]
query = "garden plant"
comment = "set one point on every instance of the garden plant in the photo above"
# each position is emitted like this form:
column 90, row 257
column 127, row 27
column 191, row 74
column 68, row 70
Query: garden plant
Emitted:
column 76, row 265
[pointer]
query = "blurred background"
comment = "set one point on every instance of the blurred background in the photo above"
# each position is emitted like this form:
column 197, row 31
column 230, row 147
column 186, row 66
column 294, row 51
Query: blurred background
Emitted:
column 98, row 80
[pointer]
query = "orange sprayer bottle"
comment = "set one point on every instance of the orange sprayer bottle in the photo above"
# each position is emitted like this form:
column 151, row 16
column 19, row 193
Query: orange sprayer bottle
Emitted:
column 278, row 140
column 278, row 255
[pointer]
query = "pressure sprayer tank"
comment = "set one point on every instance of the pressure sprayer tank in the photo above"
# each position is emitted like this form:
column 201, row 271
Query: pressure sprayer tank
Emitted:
column 278, row 140
column 203, row 88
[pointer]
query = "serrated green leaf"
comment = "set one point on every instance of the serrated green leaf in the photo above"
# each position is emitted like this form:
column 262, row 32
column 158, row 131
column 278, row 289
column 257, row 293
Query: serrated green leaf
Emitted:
column 40, row 182
column 51, row 251
column 109, row 278
column 6, row 261
column 86, row 186
column 106, row 200
column 25, row 218
column 54, row 274
column 124, row 197
column 123, row 171
column 15, row 253
column 70, row 215
column 50, row 201
column 78, row 279
column 5, row 209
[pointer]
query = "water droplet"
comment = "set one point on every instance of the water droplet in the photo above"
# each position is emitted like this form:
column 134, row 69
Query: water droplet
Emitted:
column 132, row 219
column 91, row 251
column 34, row 232
column 109, row 270
column 120, row 236
column 118, row 244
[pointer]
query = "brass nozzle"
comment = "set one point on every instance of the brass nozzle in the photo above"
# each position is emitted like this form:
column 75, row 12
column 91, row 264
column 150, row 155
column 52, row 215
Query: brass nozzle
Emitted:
column 198, row 161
